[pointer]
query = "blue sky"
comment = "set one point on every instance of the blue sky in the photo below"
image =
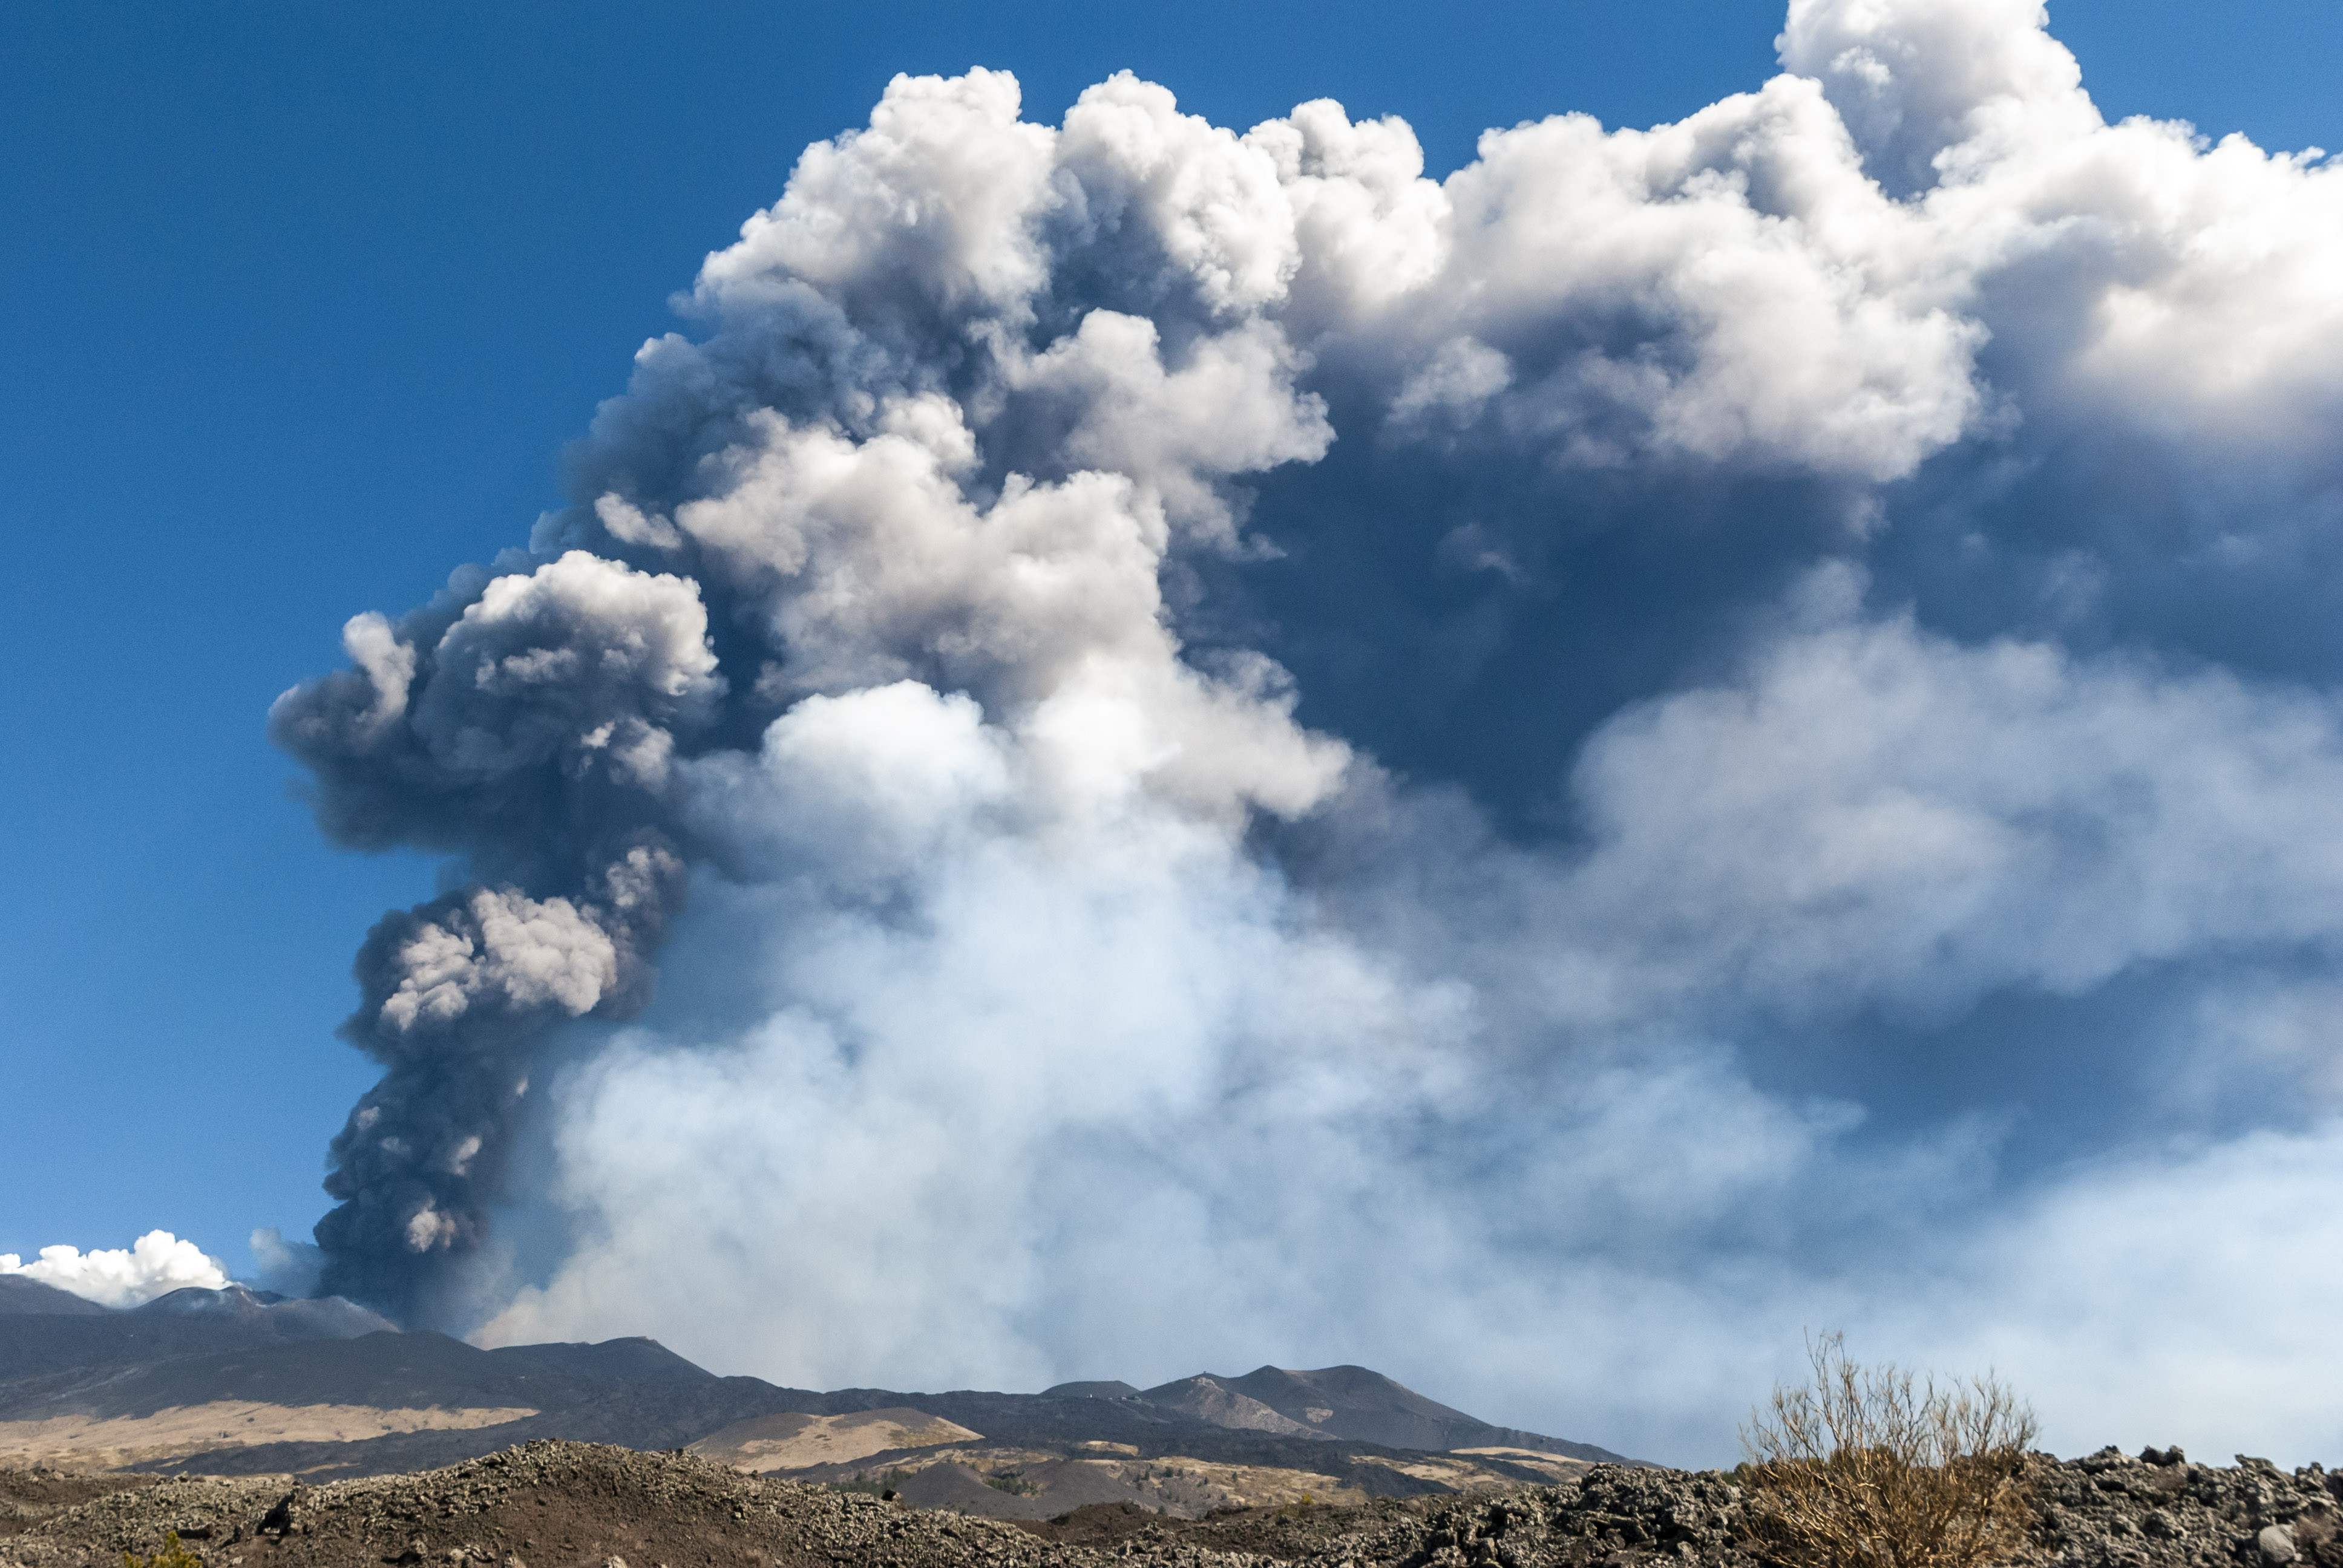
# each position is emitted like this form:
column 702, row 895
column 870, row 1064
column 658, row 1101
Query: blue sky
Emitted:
column 305, row 305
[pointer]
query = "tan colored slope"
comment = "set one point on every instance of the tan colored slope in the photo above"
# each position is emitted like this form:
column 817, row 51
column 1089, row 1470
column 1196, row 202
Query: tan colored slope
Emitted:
column 119, row 1440
column 794, row 1442
column 1553, row 1466
column 1035, row 1484
column 1456, row 1471
column 1207, row 1399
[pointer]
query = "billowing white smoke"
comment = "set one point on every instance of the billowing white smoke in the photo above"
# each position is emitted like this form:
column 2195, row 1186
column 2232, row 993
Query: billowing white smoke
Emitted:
column 287, row 1267
column 154, row 1265
column 1049, row 1002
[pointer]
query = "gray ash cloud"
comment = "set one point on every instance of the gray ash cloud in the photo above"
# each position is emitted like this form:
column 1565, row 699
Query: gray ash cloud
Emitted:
column 530, row 731
column 1686, row 733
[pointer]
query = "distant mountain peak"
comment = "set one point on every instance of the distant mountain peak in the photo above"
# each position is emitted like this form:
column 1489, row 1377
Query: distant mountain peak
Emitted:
column 1208, row 1398
column 231, row 1300
column 1348, row 1401
column 323, row 1318
column 1111, row 1388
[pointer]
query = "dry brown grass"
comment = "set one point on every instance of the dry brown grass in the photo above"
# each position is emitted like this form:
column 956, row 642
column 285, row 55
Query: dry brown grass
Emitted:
column 1872, row 1468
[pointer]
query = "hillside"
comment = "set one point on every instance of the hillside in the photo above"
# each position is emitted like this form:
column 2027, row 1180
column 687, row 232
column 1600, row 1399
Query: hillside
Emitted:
column 1353, row 1401
column 20, row 1297
column 239, row 1383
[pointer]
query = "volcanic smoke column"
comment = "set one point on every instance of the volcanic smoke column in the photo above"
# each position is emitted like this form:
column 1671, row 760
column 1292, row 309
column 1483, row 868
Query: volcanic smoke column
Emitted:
column 526, row 722
column 1900, row 508
column 970, row 394
column 919, row 502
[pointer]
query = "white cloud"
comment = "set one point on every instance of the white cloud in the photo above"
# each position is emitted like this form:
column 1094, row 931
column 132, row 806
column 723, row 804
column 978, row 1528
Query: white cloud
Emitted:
column 2122, row 1299
column 1874, row 815
column 155, row 1264
column 1920, row 85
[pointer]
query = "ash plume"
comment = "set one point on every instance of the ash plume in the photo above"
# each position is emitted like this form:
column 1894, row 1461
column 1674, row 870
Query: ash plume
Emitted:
column 1683, row 733
column 526, row 720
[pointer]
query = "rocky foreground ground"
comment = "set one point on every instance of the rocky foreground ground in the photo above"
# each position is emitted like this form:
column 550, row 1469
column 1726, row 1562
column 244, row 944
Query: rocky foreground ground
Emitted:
column 579, row 1505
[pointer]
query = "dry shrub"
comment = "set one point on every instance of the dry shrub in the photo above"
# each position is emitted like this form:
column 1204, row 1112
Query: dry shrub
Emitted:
column 175, row 1554
column 1867, row 1468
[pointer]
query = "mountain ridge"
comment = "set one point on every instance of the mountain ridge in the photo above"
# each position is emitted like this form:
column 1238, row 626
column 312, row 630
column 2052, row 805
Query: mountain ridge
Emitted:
column 312, row 1386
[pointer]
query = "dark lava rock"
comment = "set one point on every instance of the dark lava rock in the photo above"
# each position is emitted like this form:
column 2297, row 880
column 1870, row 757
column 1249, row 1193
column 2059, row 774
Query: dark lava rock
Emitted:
column 582, row 1505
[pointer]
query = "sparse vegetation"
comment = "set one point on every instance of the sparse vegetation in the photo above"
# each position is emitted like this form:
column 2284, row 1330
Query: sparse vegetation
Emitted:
column 886, row 1487
column 175, row 1554
column 1013, row 1483
column 1873, row 1468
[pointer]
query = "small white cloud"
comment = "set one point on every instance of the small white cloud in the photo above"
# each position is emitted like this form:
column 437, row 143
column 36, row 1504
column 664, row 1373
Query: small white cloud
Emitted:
column 154, row 1265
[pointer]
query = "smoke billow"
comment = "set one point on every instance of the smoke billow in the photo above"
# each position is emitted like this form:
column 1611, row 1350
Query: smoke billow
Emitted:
column 530, row 727
column 1227, row 751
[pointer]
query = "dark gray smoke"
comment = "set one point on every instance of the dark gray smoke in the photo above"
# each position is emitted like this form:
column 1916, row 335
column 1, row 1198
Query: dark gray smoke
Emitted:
column 526, row 722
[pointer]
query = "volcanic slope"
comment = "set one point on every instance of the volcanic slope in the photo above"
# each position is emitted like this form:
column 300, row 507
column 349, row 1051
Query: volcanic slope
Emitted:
column 1355, row 1402
column 21, row 1297
column 239, row 1383
column 381, row 1402
column 44, row 1331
